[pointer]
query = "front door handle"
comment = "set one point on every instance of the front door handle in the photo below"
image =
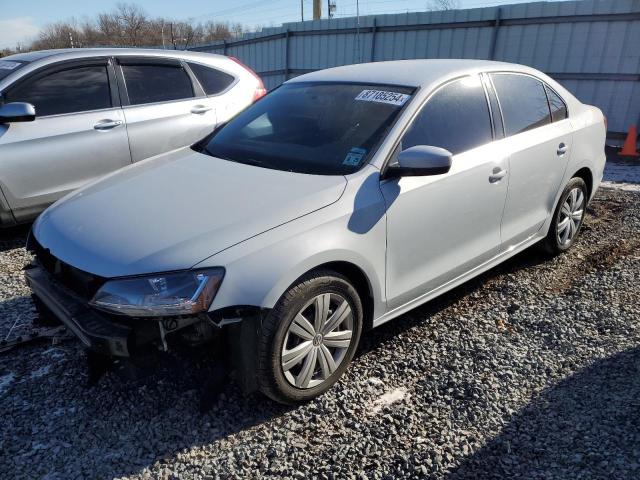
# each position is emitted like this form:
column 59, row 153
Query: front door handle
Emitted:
column 562, row 149
column 497, row 175
column 200, row 109
column 107, row 124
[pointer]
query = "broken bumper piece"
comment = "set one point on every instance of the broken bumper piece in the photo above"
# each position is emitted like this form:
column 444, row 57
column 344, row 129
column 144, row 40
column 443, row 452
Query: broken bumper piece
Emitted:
column 94, row 330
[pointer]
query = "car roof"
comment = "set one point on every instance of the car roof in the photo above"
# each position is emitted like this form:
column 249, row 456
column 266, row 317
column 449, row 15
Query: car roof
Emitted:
column 411, row 73
column 71, row 53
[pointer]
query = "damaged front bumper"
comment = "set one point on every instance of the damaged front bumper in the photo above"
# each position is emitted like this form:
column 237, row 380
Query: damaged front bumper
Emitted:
column 112, row 335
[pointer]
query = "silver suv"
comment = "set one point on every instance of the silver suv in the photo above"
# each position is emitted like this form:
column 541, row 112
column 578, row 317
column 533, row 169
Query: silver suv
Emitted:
column 93, row 111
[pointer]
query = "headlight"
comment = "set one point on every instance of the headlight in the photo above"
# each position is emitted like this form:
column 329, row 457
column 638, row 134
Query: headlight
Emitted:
column 181, row 293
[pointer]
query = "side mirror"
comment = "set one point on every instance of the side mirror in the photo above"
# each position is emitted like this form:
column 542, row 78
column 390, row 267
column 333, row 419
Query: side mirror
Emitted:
column 421, row 160
column 17, row 112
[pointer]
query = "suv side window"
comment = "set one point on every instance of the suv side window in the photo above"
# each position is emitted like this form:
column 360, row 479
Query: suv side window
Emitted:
column 76, row 89
column 456, row 117
column 213, row 81
column 523, row 101
column 557, row 105
column 150, row 83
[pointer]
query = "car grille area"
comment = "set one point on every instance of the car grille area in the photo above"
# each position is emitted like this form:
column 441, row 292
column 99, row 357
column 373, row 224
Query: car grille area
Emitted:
column 82, row 283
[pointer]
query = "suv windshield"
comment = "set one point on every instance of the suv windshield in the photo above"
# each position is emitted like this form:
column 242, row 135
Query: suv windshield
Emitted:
column 7, row 67
column 315, row 128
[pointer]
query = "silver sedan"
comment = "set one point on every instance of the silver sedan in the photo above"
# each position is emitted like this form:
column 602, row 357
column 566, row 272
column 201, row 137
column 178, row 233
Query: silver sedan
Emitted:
column 338, row 202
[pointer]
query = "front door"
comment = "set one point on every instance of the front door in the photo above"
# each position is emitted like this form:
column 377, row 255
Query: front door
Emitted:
column 439, row 227
column 78, row 135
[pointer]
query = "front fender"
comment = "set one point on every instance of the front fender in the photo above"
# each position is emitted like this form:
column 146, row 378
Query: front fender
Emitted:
column 353, row 230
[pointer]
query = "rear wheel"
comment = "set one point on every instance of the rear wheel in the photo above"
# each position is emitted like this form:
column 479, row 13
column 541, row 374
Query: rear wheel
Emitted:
column 309, row 338
column 567, row 218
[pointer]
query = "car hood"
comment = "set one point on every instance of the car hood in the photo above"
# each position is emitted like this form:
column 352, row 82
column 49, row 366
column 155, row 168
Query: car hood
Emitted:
column 173, row 211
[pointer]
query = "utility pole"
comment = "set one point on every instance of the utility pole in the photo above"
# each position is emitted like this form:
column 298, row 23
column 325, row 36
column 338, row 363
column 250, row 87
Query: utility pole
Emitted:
column 302, row 10
column 317, row 9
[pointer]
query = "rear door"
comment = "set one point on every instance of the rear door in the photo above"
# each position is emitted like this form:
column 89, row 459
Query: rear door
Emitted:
column 78, row 135
column 164, row 106
column 539, row 153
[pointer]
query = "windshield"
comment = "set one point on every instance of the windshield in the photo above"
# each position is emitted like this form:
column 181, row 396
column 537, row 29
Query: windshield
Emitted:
column 315, row 128
column 7, row 67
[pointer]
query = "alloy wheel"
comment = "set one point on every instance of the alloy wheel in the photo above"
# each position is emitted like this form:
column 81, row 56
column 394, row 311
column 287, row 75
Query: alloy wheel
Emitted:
column 317, row 340
column 570, row 216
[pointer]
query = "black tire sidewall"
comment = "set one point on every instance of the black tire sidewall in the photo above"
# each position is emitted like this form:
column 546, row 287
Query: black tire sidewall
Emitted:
column 278, row 321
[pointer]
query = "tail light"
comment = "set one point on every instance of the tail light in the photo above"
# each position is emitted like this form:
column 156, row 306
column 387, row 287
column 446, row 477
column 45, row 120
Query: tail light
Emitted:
column 606, row 123
column 260, row 90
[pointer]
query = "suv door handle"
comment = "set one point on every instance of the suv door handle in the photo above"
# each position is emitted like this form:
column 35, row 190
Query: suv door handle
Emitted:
column 107, row 124
column 200, row 109
column 497, row 175
column 562, row 149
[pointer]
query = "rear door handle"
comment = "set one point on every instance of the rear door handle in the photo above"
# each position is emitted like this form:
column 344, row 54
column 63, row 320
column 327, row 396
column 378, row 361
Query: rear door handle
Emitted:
column 200, row 109
column 497, row 175
column 107, row 124
column 562, row 149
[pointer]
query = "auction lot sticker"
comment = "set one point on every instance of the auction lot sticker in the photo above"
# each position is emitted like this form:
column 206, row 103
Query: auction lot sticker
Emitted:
column 382, row 96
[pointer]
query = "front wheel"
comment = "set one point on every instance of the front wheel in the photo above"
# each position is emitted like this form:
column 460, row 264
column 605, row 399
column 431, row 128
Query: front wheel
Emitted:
column 309, row 338
column 567, row 218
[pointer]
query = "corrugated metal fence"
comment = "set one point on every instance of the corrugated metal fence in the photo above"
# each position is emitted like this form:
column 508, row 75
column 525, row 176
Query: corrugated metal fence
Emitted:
column 591, row 46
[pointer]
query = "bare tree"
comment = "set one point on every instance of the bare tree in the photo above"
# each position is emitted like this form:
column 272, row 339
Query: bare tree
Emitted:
column 443, row 5
column 129, row 26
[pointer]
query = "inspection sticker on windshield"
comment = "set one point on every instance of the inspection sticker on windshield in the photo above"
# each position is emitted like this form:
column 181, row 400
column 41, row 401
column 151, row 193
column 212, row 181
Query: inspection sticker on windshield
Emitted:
column 8, row 65
column 354, row 157
column 382, row 96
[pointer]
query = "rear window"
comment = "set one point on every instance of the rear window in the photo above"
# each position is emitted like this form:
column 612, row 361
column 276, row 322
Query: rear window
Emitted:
column 156, row 83
column 7, row 67
column 314, row 128
column 523, row 101
column 557, row 105
column 213, row 81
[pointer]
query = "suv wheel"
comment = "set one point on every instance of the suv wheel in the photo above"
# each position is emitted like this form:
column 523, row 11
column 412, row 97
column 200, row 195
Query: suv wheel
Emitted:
column 309, row 338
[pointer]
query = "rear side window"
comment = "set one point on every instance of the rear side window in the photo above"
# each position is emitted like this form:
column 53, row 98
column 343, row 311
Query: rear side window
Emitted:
column 156, row 83
column 456, row 117
column 213, row 81
column 66, row 91
column 523, row 101
column 557, row 105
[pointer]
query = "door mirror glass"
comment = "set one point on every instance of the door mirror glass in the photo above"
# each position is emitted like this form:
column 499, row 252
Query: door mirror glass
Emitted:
column 17, row 112
column 421, row 160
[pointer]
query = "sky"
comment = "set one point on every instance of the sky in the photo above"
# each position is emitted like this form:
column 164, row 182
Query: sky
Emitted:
column 20, row 21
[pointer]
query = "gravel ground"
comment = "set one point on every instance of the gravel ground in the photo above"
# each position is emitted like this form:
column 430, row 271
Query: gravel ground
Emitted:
column 530, row 371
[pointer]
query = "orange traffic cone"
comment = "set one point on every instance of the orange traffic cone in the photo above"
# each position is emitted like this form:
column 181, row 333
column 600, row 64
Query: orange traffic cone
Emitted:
column 629, row 147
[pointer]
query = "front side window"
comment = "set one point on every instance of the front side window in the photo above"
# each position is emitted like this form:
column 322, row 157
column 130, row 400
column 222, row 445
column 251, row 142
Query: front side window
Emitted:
column 8, row 66
column 156, row 83
column 213, row 81
column 314, row 128
column 456, row 118
column 72, row 90
column 557, row 105
column 523, row 101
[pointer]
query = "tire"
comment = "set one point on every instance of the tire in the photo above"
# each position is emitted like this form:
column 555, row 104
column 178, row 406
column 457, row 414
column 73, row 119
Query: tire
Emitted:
column 569, row 212
column 282, row 370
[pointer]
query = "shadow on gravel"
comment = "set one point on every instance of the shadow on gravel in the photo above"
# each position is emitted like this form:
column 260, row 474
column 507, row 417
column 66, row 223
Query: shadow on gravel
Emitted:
column 587, row 426
column 13, row 237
